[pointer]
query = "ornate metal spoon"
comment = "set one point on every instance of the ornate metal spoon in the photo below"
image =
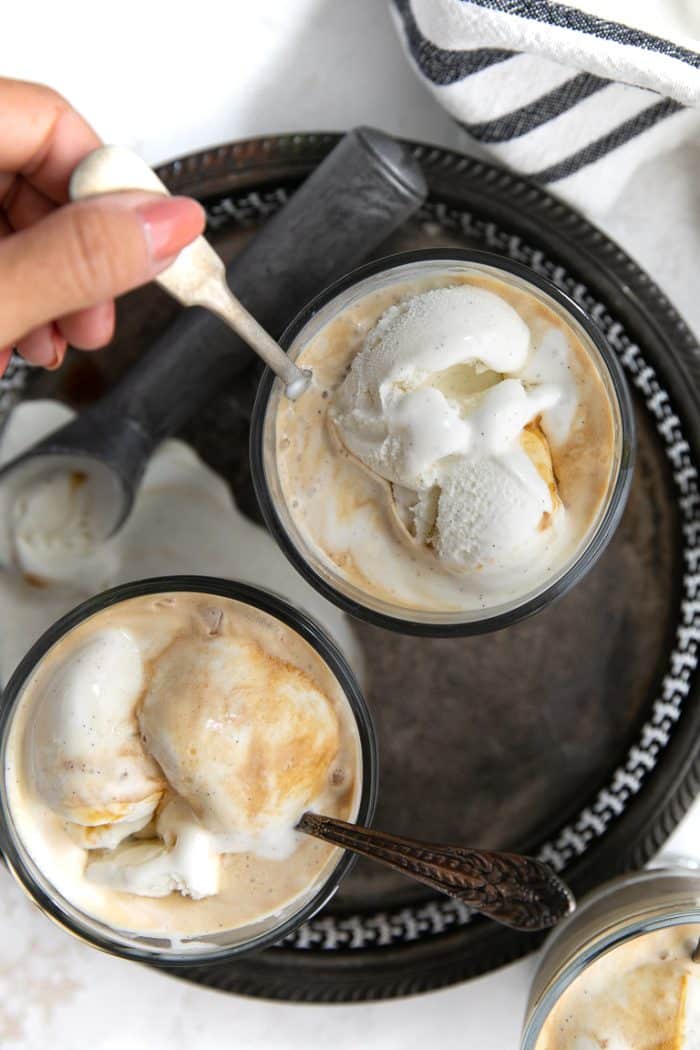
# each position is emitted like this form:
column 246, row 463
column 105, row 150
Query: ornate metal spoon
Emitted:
column 518, row 891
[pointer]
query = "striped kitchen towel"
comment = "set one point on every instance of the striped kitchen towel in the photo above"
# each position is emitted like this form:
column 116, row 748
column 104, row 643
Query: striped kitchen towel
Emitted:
column 572, row 99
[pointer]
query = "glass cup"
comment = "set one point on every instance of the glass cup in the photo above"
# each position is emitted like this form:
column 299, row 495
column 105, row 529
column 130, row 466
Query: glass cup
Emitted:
column 319, row 571
column 208, row 947
column 625, row 908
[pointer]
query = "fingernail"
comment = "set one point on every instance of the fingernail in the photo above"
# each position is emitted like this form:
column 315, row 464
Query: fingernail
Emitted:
column 170, row 223
column 45, row 347
column 37, row 348
column 60, row 345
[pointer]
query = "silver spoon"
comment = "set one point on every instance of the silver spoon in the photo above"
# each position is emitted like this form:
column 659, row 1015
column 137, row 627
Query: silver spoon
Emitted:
column 517, row 891
column 197, row 277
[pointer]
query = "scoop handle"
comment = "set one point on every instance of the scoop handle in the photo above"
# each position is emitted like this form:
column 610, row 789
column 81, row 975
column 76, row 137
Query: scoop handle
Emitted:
column 360, row 193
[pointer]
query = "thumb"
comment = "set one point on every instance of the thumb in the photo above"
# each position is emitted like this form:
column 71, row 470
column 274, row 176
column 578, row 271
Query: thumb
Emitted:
column 89, row 252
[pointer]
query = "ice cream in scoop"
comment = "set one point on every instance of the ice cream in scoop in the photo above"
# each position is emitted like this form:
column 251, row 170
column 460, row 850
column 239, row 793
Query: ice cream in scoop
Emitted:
column 55, row 526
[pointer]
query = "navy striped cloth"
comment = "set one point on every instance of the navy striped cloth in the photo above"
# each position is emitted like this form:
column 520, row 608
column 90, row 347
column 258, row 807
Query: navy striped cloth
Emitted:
column 574, row 100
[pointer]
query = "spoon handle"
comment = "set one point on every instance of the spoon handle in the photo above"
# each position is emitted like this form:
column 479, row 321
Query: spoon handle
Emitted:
column 214, row 293
column 197, row 277
column 518, row 891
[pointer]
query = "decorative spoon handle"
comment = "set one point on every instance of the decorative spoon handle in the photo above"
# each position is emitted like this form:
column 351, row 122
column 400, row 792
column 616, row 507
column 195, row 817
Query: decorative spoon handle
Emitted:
column 517, row 891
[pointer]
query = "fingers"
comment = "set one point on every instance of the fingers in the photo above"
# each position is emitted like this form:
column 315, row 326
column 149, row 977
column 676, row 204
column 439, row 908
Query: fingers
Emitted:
column 44, row 346
column 5, row 228
column 41, row 136
column 40, row 346
column 89, row 329
column 24, row 205
column 5, row 356
column 65, row 262
column 87, row 253
column 86, row 329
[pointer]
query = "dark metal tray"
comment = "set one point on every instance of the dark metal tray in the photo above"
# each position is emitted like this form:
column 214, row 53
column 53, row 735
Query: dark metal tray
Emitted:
column 576, row 734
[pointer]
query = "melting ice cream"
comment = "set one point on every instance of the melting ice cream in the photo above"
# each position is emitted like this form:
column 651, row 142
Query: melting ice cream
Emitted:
column 456, row 449
column 162, row 755
column 643, row 995
column 432, row 405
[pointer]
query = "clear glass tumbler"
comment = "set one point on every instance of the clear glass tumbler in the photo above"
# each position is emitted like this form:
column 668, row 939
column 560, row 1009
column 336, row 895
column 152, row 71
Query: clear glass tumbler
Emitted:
column 625, row 908
column 320, row 571
column 208, row 947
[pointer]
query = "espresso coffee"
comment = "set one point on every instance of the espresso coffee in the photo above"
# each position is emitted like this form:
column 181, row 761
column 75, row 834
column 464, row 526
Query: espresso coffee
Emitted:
column 642, row 995
column 457, row 448
column 162, row 753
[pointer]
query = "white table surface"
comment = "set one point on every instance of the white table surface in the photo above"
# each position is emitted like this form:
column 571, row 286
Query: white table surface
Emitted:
column 152, row 76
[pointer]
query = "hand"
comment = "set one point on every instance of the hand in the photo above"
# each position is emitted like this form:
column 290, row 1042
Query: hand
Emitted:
column 61, row 264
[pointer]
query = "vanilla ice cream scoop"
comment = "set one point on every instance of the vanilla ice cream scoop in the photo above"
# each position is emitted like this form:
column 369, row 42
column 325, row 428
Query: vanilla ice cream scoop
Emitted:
column 56, row 525
column 183, row 859
column 245, row 739
column 85, row 750
column 435, row 404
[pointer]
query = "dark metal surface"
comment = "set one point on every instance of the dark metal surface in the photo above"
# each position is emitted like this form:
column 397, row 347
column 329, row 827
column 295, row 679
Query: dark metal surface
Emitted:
column 577, row 732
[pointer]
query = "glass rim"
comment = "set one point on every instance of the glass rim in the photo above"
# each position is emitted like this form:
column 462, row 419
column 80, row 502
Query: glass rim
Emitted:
column 653, row 917
column 597, row 541
column 266, row 602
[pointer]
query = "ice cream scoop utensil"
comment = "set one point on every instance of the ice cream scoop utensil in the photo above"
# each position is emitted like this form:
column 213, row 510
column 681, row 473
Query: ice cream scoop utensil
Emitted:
column 517, row 891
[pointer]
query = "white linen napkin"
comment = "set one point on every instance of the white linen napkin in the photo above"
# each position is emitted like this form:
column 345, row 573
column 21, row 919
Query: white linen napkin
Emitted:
column 573, row 100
